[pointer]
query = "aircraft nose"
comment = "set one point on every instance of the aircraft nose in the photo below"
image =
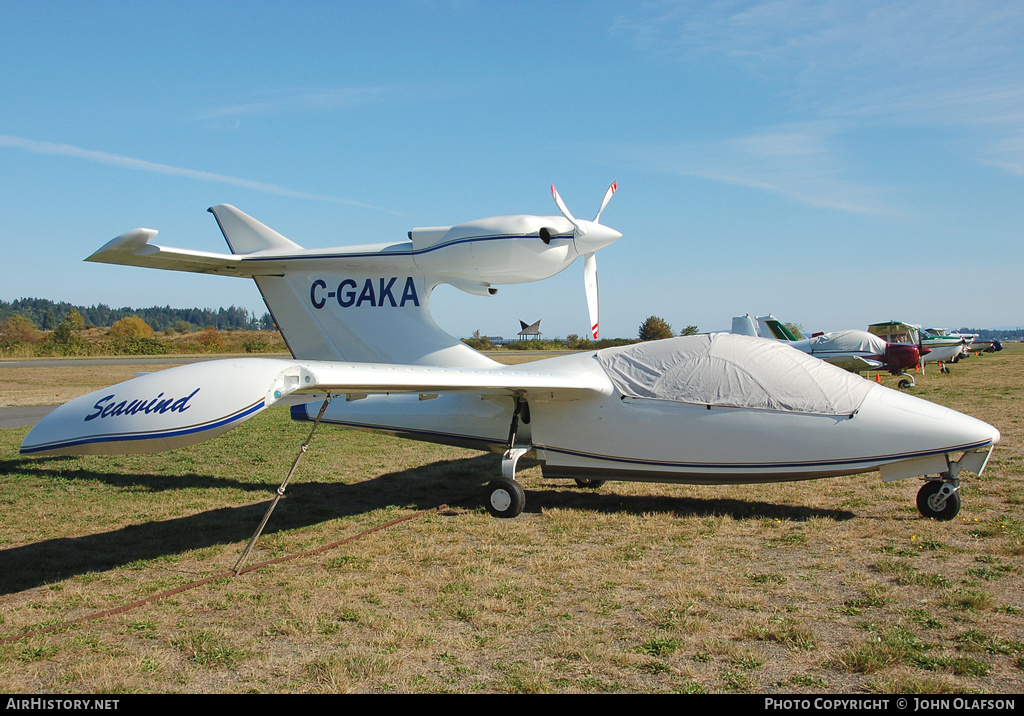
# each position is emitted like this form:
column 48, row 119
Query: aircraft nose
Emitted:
column 924, row 426
column 996, row 436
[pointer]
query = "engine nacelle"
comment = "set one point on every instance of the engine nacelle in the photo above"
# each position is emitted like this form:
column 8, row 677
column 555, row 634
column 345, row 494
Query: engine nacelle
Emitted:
column 498, row 250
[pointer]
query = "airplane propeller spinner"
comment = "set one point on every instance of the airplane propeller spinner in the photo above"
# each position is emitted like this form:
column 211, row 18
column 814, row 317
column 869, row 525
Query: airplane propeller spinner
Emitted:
column 586, row 245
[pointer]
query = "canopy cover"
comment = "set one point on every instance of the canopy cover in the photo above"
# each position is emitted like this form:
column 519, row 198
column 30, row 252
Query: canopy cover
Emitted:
column 848, row 342
column 729, row 370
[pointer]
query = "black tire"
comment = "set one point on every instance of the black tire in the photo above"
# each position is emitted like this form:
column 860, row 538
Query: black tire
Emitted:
column 905, row 384
column 589, row 484
column 925, row 503
column 505, row 498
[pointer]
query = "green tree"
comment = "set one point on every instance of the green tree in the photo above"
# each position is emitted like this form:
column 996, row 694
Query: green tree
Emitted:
column 65, row 337
column 75, row 320
column 655, row 328
column 574, row 343
column 689, row 331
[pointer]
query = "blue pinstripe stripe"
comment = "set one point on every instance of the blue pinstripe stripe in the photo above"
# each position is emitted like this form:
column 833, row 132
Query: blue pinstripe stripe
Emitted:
column 298, row 412
column 156, row 435
column 388, row 254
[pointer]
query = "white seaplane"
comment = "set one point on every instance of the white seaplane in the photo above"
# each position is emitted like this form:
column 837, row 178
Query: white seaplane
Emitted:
column 712, row 409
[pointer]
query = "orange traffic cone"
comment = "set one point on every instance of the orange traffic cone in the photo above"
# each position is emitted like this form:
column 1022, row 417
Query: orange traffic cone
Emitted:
column 878, row 378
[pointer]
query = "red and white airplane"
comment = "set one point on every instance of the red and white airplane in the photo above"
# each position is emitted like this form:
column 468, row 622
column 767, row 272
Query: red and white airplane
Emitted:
column 855, row 351
column 714, row 409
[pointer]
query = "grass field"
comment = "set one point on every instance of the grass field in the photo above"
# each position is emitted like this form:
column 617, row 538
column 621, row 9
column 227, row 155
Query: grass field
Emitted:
column 824, row 586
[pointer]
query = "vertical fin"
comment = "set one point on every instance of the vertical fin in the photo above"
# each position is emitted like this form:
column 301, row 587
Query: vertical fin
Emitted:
column 245, row 235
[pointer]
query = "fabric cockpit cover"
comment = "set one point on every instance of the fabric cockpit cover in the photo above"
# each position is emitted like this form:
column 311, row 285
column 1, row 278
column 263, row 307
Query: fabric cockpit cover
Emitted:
column 848, row 342
column 729, row 370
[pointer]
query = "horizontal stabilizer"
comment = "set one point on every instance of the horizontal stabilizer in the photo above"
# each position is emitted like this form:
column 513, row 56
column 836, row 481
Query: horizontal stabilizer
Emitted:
column 246, row 237
column 132, row 248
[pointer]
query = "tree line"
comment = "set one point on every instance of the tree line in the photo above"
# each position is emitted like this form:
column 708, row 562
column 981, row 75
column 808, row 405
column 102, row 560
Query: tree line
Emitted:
column 48, row 315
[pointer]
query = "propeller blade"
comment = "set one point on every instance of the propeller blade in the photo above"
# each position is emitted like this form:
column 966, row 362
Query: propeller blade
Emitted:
column 607, row 197
column 590, row 284
column 580, row 229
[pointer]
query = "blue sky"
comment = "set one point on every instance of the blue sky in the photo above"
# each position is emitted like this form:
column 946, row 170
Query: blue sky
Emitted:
column 835, row 163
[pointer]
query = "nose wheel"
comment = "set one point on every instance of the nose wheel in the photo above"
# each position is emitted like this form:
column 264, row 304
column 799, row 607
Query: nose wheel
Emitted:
column 939, row 499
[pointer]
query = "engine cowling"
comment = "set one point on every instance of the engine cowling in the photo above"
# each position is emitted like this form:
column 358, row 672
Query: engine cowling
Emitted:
column 902, row 356
column 503, row 249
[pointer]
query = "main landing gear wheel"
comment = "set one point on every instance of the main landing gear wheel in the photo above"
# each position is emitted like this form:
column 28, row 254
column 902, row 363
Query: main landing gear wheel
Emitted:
column 505, row 498
column 939, row 499
column 589, row 484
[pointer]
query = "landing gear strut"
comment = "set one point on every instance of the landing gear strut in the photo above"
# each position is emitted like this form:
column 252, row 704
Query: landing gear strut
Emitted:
column 505, row 496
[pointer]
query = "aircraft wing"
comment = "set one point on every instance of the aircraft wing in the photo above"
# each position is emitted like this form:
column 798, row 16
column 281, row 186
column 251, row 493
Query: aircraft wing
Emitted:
column 853, row 363
column 195, row 402
column 388, row 378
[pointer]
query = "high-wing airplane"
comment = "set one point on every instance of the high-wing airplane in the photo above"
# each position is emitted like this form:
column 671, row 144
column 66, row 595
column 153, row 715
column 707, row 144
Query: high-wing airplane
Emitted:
column 855, row 351
column 713, row 409
column 941, row 349
column 973, row 343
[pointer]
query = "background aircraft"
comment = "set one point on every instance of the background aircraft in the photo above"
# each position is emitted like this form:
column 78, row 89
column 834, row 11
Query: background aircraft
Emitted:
column 855, row 351
column 712, row 409
column 973, row 343
column 940, row 349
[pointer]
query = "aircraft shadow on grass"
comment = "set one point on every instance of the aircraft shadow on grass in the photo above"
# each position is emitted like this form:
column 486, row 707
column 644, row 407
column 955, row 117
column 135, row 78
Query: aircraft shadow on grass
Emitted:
column 308, row 503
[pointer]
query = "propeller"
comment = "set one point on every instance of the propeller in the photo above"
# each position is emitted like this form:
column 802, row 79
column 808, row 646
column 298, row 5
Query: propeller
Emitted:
column 607, row 197
column 590, row 285
column 589, row 256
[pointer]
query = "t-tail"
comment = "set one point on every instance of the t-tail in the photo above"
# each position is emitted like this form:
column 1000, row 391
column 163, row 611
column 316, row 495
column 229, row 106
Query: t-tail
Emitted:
column 370, row 302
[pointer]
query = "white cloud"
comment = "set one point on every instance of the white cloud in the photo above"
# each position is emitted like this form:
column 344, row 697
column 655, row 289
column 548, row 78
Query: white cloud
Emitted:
column 301, row 100
column 839, row 80
column 932, row 63
column 797, row 161
column 68, row 150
